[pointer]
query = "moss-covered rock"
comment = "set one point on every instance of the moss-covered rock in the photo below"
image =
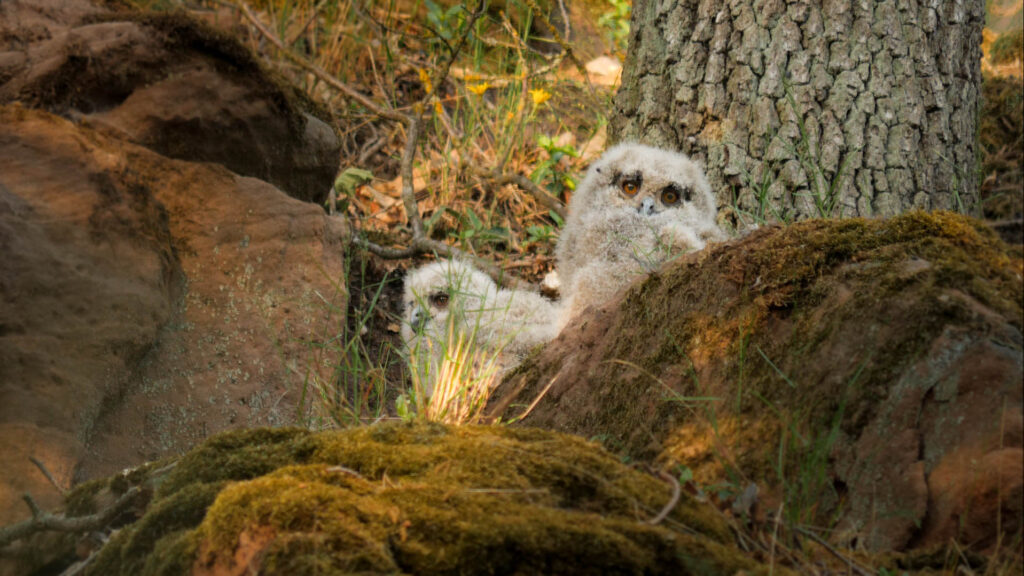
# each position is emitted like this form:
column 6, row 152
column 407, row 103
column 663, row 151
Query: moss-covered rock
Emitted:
column 416, row 499
column 867, row 372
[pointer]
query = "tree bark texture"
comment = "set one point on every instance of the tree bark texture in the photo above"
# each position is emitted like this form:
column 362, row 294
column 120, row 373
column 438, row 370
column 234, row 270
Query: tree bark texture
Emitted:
column 806, row 108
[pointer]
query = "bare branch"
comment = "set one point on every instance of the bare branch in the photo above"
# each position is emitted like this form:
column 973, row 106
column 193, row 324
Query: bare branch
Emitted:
column 502, row 81
column 384, row 252
column 371, row 149
column 322, row 74
column 46, row 472
column 420, row 244
column 428, row 245
column 44, row 521
column 677, row 491
column 425, row 245
column 542, row 196
column 412, row 208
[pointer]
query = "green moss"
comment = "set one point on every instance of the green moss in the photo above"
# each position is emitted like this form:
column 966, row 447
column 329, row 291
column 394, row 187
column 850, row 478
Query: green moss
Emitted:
column 239, row 455
column 419, row 499
column 82, row 500
column 316, row 510
column 184, row 509
column 796, row 334
column 897, row 277
column 155, row 543
column 172, row 554
column 109, row 559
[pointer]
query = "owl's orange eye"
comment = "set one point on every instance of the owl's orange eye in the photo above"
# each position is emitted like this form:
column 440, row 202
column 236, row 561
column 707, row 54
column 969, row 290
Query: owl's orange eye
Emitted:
column 440, row 299
column 631, row 185
column 673, row 194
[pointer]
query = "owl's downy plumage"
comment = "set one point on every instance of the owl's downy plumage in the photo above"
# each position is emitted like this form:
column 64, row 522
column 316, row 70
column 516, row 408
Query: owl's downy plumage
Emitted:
column 637, row 207
column 451, row 298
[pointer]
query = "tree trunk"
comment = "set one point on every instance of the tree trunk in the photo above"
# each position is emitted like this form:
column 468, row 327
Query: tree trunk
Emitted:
column 813, row 107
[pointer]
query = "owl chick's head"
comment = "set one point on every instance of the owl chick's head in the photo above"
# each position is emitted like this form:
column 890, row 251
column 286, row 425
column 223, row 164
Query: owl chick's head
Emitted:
column 649, row 180
column 442, row 294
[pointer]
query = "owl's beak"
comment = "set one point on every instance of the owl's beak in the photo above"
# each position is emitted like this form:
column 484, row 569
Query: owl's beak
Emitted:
column 647, row 207
column 418, row 319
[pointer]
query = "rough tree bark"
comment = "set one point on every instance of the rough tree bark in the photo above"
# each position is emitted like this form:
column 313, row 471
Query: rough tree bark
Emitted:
column 803, row 108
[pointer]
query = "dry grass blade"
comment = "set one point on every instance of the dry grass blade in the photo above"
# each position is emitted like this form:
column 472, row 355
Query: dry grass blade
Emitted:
column 462, row 384
column 862, row 571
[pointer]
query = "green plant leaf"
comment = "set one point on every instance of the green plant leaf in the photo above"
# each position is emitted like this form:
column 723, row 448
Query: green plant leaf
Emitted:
column 352, row 178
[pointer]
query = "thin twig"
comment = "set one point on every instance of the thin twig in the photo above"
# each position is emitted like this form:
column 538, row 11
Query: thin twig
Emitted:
column 309, row 21
column 563, row 43
column 412, row 209
column 80, row 566
column 677, row 491
column 501, row 81
column 42, row 521
column 503, row 404
column 539, row 397
column 383, row 251
column 426, row 245
column 542, row 196
column 775, row 539
column 43, row 469
column 372, row 148
column 454, row 53
column 345, row 470
column 862, row 571
column 322, row 74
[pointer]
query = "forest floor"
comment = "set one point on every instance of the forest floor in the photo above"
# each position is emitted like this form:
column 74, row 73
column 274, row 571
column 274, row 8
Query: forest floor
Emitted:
column 516, row 100
column 513, row 100
column 519, row 111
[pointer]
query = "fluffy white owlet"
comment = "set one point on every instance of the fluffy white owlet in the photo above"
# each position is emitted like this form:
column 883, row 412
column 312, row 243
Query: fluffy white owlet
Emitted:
column 637, row 207
column 448, row 299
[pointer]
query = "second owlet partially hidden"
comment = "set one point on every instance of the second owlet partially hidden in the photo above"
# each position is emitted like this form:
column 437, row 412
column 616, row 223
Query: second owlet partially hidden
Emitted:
column 637, row 207
column 451, row 299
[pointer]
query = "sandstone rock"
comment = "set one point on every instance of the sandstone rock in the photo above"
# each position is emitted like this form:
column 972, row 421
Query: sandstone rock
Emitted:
column 882, row 359
column 23, row 22
column 172, row 84
column 147, row 303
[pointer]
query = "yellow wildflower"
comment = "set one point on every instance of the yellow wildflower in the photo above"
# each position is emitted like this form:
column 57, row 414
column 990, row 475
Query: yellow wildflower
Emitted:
column 539, row 96
column 425, row 79
column 478, row 89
